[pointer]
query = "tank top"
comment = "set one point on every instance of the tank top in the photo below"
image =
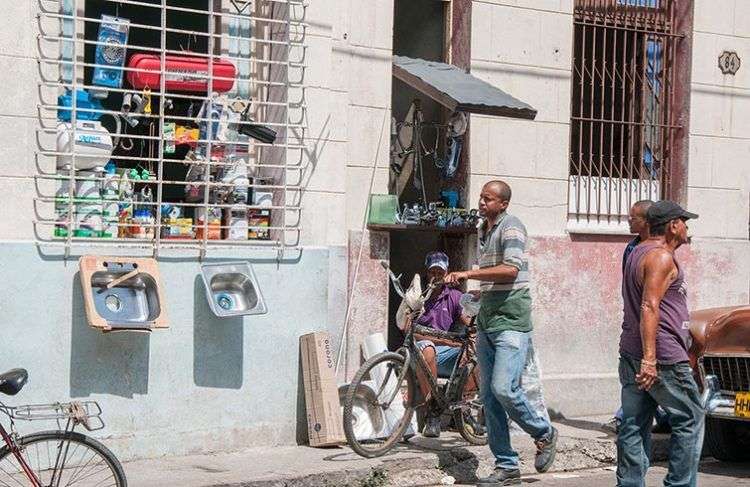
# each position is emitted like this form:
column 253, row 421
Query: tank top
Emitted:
column 673, row 334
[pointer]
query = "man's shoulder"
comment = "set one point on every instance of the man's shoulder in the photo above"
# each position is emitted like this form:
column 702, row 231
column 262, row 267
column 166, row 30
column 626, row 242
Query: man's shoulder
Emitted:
column 658, row 258
column 512, row 221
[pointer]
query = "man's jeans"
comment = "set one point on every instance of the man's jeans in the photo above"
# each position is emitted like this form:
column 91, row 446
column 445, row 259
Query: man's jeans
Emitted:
column 676, row 392
column 502, row 357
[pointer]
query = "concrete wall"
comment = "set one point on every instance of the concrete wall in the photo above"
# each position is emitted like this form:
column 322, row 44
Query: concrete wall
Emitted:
column 204, row 384
column 209, row 385
column 524, row 47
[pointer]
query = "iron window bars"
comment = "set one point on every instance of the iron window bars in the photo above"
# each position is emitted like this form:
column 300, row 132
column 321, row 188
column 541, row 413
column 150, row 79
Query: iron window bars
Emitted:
column 622, row 128
column 257, row 47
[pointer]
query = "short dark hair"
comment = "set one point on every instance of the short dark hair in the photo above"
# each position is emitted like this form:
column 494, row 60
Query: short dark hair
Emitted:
column 658, row 230
column 643, row 205
column 503, row 189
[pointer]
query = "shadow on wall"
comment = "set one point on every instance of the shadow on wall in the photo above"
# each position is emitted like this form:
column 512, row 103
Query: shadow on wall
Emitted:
column 217, row 344
column 105, row 363
column 302, row 436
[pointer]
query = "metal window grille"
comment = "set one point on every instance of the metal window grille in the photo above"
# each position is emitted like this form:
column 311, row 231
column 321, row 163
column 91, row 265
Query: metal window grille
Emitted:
column 149, row 117
column 622, row 124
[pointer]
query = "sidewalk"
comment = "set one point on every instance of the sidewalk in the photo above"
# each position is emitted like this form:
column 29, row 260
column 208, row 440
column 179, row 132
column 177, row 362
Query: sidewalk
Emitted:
column 420, row 462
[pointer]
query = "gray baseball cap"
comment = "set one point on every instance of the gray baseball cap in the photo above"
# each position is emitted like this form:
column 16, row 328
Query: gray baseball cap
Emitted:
column 665, row 211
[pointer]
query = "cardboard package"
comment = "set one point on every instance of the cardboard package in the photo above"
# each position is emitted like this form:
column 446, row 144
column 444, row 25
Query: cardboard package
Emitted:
column 324, row 422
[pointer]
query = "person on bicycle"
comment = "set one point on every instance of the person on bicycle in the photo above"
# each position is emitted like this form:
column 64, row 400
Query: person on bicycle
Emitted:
column 441, row 312
column 504, row 336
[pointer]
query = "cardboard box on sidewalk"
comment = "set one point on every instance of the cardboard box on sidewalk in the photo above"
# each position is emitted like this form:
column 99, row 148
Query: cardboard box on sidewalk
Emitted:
column 324, row 422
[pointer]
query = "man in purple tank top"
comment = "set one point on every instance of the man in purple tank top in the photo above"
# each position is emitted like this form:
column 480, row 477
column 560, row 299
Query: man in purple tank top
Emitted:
column 654, row 368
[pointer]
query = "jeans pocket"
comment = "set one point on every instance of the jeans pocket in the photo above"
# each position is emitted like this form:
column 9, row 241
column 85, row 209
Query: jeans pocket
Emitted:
column 684, row 377
column 626, row 372
column 508, row 339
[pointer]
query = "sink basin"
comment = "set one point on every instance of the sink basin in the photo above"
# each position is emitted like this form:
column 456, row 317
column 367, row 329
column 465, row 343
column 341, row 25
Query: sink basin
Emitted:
column 133, row 303
column 122, row 293
column 232, row 289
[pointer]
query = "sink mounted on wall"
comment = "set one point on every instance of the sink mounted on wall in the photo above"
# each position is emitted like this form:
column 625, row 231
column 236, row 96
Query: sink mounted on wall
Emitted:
column 232, row 289
column 122, row 293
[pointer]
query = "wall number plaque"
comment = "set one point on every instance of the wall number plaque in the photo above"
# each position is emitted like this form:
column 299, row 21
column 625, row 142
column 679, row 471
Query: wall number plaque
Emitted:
column 729, row 62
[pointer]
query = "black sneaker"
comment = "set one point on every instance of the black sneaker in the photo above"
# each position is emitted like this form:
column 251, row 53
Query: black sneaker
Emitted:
column 432, row 427
column 501, row 477
column 546, row 449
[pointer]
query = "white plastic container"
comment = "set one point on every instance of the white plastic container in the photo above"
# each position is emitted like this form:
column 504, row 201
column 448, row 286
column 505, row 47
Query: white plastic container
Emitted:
column 93, row 145
column 373, row 345
column 88, row 186
column 236, row 219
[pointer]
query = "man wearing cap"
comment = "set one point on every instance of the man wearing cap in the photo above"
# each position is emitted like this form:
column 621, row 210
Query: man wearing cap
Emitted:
column 654, row 368
column 504, row 336
column 442, row 311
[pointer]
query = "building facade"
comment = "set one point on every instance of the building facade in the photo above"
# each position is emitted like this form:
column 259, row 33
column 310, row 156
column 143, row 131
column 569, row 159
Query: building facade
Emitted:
column 208, row 383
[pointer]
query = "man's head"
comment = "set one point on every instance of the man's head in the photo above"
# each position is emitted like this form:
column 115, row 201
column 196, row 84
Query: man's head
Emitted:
column 437, row 265
column 668, row 219
column 494, row 198
column 637, row 217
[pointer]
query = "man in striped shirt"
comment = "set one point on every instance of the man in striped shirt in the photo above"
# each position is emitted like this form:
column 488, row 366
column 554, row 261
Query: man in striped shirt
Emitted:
column 504, row 335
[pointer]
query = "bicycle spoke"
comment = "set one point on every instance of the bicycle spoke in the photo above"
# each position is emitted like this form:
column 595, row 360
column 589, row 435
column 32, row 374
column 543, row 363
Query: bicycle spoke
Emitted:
column 104, row 468
column 75, row 472
column 78, row 474
column 13, row 476
column 61, row 461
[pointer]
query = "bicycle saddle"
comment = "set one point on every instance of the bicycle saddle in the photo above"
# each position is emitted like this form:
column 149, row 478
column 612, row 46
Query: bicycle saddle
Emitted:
column 13, row 381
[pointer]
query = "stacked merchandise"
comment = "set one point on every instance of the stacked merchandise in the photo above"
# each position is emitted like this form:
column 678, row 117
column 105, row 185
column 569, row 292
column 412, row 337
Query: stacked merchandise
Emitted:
column 117, row 137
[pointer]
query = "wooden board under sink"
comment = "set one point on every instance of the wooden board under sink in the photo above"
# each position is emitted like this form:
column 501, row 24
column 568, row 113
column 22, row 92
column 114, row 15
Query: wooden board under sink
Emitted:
column 91, row 264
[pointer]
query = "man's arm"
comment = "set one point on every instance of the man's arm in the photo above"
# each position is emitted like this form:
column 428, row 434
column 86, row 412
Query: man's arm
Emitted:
column 500, row 273
column 512, row 248
column 658, row 274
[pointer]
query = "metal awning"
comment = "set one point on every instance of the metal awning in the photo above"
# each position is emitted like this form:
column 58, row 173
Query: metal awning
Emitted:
column 458, row 90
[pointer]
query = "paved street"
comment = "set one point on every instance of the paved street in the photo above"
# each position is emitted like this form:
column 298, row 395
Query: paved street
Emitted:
column 713, row 474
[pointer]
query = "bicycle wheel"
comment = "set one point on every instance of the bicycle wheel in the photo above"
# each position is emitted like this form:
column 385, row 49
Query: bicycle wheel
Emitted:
column 62, row 459
column 469, row 420
column 391, row 387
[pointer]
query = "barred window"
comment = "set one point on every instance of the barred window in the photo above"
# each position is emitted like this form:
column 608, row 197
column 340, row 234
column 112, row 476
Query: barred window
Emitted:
column 170, row 123
column 622, row 122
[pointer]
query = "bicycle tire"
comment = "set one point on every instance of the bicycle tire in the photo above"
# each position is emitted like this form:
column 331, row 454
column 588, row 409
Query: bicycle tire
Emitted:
column 74, row 440
column 371, row 448
column 464, row 427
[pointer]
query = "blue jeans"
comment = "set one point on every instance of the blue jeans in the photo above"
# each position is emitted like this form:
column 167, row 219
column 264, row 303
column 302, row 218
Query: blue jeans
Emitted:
column 502, row 357
column 445, row 356
column 661, row 416
column 676, row 392
column 446, row 359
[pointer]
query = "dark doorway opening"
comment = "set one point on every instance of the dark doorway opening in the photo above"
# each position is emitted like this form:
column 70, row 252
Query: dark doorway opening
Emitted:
column 421, row 30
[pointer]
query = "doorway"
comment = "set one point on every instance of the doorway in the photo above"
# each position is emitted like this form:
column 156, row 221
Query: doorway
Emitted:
column 421, row 30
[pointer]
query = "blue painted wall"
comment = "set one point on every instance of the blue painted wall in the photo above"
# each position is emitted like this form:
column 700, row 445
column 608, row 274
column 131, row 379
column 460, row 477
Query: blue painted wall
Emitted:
column 205, row 384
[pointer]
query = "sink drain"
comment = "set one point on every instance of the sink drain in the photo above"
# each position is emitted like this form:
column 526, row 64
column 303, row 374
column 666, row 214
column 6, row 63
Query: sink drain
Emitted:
column 113, row 303
column 225, row 301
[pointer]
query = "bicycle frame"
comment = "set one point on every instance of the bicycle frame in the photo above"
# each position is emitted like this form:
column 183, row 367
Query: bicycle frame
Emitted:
column 7, row 438
column 416, row 360
column 413, row 355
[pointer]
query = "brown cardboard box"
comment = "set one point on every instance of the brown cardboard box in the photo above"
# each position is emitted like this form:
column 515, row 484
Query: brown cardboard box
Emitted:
column 324, row 423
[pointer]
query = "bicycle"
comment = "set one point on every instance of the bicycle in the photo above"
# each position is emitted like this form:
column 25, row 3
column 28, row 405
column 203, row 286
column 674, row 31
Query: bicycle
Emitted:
column 54, row 458
column 398, row 370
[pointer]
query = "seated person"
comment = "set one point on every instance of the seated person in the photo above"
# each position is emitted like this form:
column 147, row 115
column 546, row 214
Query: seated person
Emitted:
column 441, row 312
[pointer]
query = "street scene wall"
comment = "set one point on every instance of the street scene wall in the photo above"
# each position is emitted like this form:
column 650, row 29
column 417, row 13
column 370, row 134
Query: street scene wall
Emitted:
column 206, row 384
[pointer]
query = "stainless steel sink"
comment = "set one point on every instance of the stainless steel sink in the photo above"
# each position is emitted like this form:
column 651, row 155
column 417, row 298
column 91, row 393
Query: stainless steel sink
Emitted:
column 232, row 289
column 132, row 303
